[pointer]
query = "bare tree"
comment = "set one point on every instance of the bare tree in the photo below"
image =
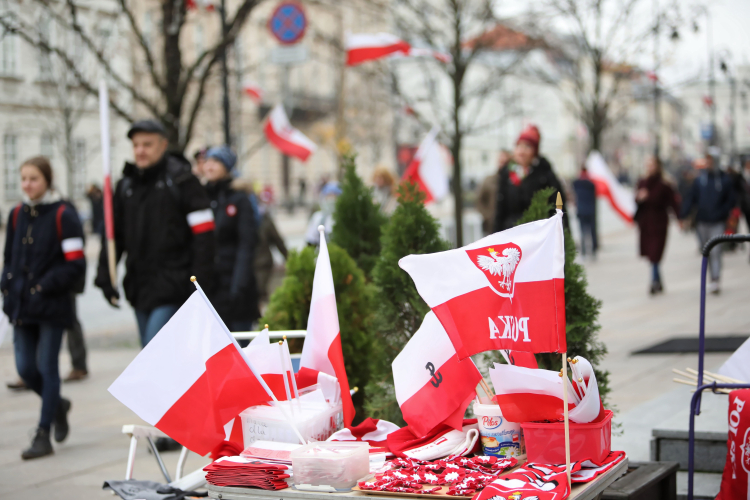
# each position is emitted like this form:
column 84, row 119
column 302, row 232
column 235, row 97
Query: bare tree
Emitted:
column 175, row 86
column 453, row 95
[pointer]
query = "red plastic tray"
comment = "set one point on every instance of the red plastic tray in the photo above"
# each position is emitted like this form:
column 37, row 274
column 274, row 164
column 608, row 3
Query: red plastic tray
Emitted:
column 545, row 442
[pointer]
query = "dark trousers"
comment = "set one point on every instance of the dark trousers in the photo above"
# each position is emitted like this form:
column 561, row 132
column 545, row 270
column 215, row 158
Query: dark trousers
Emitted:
column 37, row 349
column 588, row 233
column 150, row 322
column 76, row 342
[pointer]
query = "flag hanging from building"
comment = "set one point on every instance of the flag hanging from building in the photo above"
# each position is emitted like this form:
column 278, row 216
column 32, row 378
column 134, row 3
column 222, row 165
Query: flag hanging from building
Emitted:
column 431, row 383
column 505, row 291
column 191, row 380
column 428, row 168
column 286, row 138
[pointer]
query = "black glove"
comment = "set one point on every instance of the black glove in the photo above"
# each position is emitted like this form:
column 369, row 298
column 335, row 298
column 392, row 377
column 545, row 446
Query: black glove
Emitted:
column 112, row 295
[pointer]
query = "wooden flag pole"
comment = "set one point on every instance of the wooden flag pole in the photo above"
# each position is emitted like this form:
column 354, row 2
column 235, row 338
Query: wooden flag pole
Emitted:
column 564, row 375
column 109, row 229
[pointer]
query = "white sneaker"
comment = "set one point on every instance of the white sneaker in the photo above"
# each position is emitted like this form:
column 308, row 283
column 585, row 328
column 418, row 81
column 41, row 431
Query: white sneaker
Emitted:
column 713, row 287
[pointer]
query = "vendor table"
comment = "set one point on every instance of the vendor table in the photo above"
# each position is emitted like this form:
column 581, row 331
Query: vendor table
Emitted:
column 582, row 491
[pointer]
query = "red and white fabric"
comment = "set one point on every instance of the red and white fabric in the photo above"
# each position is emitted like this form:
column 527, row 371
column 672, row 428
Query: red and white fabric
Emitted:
column 362, row 47
column 322, row 348
column 520, row 358
column 735, row 481
column 431, row 383
column 428, row 168
column 266, row 358
column 286, row 138
column 72, row 248
column 441, row 442
column 607, row 186
column 254, row 91
column 505, row 291
column 529, row 395
column 590, row 407
column 201, row 221
column 590, row 470
column 443, row 57
column 191, row 380
column 372, row 430
column 531, row 481
column 206, row 5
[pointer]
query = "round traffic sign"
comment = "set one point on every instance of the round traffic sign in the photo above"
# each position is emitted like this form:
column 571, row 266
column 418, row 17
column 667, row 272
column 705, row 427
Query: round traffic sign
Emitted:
column 288, row 22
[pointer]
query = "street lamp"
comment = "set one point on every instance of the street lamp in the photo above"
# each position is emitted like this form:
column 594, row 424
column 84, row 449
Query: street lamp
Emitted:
column 703, row 10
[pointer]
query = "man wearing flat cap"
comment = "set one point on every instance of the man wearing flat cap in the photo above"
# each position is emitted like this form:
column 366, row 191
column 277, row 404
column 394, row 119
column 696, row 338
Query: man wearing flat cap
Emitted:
column 165, row 228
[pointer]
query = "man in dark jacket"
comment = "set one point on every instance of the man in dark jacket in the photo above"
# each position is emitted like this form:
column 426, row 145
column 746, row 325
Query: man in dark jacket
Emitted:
column 586, row 211
column 712, row 197
column 520, row 179
column 164, row 224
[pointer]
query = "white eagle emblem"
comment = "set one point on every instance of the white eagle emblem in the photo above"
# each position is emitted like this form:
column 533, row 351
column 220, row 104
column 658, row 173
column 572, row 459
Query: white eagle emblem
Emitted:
column 501, row 265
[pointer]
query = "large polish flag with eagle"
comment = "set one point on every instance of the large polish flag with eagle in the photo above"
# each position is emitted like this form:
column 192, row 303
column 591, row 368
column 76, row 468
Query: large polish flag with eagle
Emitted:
column 428, row 169
column 608, row 187
column 322, row 349
column 505, row 291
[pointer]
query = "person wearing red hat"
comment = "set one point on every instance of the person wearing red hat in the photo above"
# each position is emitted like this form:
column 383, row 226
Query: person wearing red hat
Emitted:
column 521, row 178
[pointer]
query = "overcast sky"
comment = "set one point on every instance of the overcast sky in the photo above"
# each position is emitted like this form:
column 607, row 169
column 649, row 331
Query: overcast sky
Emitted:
column 688, row 58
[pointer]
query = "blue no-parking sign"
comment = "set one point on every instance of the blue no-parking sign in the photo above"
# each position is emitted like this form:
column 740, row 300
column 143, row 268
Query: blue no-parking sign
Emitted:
column 288, row 23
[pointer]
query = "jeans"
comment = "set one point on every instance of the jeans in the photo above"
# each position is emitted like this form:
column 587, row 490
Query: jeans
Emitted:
column 655, row 275
column 706, row 231
column 37, row 349
column 150, row 322
column 588, row 233
column 76, row 343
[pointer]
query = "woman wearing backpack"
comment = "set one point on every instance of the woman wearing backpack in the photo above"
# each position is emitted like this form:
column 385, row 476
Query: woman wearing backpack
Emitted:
column 43, row 262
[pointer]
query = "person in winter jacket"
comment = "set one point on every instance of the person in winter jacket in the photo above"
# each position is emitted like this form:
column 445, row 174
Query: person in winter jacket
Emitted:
column 268, row 236
column 44, row 261
column 520, row 179
column 236, row 296
column 165, row 227
column 487, row 194
column 711, row 198
column 585, row 192
column 654, row 198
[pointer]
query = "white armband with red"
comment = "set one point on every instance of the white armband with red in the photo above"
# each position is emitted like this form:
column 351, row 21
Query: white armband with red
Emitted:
column 72, row 248
column 201, row 221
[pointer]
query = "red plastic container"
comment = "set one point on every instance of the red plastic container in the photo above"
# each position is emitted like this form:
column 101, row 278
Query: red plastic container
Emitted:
column 545, row 442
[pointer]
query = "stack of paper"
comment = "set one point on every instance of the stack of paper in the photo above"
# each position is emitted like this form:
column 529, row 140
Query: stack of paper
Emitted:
column 244, row 472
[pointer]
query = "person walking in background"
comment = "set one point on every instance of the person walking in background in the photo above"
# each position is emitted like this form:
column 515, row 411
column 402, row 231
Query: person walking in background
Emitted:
column 521, row 178
column 712, row 197
column 268, row 236
column 487, row 194
column 384, row 191
column 199, row 158
column 235, row 296
column 165, row 227
column 302, row 192
column 745, row 192
column 585, row 192
column 654, row 197
column 43, row 261
column 96, row 199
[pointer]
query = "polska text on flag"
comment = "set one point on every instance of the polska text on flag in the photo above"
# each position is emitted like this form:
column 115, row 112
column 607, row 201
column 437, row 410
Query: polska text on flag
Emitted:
column 286, row 138
column 191, row 380
column 322, row 349
column 431, row 384
column 505, row 291
column 428, row 168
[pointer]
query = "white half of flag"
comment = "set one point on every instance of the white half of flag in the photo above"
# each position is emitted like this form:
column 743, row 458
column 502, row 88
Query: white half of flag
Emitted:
column 286, row 138
column 428, row 168
column 609, row 187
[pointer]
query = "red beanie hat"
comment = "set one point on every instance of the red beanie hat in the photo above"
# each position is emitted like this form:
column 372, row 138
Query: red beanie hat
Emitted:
column 531, row 135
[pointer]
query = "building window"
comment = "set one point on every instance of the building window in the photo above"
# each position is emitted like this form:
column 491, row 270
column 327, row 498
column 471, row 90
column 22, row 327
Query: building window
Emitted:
column 7, row 53
column 79, row 168
column 47, row 145
column 10, row 166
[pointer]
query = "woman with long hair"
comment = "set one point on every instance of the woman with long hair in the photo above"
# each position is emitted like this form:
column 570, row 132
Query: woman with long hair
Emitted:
column 654, row 197
column 44, row 261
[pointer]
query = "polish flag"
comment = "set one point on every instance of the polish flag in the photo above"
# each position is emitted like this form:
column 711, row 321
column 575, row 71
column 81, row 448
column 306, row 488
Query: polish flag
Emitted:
column 520, row 358
column 608, row 186
column 590, row 407
column 268, row 359
column 72, row 248
column 372, row 431
column 201, row 221
column 505, row 291
column 529, row 395
column 443, row 57
column 428, row 168
column 322, row 349
column 431, row 383
column 364, row 47
column 286, row 138
column 206, row 5
column 254, row 91
column 191, row 380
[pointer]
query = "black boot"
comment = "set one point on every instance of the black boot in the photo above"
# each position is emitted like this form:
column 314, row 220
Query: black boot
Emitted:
column 61, row 420
column 40, row 446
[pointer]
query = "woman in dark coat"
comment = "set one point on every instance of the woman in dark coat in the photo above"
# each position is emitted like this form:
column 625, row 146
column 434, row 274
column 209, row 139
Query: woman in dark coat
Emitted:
column 655, row 197
column 44, row 261
column 235, row 296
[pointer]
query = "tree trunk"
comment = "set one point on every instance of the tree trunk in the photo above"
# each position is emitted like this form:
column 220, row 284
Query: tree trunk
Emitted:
column 458, row 194
column 173, row 19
